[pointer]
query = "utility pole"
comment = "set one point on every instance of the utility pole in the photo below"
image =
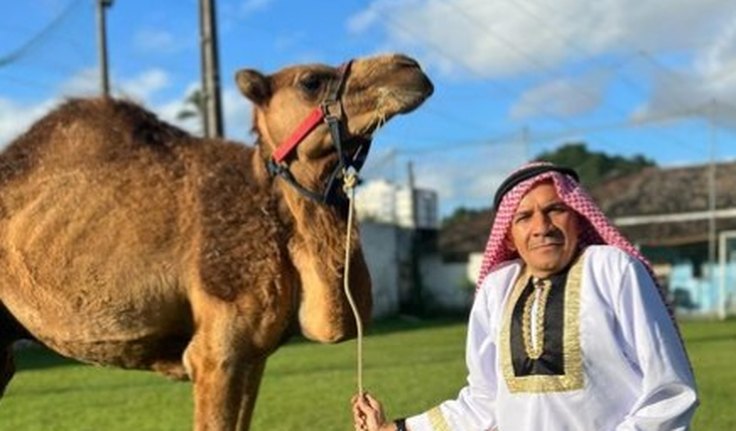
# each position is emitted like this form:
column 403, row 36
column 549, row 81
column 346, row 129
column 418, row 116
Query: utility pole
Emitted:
column 415, row 300
column 102, row 45
column 412, row 195
column 210, row 70
column 712, row 193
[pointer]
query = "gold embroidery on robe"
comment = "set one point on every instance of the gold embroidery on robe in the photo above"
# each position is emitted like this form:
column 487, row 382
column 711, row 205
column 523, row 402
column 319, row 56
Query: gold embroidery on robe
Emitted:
column 572, row 378
column 534, row 338
column 436, row 420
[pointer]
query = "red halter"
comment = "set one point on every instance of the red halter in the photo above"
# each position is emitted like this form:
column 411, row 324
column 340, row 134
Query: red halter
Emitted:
column 305, row 128
column 318, row 114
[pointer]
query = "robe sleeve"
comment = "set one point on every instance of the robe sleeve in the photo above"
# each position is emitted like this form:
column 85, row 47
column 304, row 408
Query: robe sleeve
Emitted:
column 475, row 406
column 651, row 343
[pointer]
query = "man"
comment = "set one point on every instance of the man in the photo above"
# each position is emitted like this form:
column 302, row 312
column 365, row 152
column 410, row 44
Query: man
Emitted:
column 568, row 330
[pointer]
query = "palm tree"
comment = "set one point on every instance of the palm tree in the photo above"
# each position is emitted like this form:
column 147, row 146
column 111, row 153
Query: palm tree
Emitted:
column 193, row 107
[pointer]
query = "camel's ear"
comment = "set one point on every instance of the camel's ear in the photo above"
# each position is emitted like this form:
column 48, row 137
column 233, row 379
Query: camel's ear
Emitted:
column 253, row 85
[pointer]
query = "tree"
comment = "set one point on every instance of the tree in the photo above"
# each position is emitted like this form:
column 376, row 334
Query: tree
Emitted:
column 193, row 107
column 594, row 167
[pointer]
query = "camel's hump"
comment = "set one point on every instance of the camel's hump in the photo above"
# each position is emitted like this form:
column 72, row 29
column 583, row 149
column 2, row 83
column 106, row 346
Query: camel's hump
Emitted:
column 79, row 128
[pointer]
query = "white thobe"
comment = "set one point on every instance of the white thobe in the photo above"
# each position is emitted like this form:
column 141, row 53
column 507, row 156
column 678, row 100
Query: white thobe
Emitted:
column 628, row 369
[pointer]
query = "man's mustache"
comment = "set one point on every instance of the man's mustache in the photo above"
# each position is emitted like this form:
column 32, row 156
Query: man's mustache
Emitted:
column 551, row 237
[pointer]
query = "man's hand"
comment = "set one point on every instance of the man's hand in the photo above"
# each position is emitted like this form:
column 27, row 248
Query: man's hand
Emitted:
column 368, row 414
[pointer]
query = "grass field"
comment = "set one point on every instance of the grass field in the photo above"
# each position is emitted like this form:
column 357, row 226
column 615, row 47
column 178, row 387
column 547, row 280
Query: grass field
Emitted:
column 409, row 364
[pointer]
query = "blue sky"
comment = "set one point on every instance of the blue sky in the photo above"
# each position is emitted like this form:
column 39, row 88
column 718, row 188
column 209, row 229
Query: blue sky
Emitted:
column 513, row 77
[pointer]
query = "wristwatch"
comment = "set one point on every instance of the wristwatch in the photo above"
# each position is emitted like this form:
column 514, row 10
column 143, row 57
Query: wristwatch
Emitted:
column 400, row 424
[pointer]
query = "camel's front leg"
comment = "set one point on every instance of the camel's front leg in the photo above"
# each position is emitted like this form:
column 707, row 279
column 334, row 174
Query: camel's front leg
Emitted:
column 225, row 387
column 225, row 365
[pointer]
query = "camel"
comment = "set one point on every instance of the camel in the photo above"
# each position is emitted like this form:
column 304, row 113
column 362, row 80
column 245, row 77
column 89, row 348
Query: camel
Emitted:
column 126, row 242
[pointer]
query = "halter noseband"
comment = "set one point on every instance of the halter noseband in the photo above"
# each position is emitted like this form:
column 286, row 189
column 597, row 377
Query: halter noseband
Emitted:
column 331, row 112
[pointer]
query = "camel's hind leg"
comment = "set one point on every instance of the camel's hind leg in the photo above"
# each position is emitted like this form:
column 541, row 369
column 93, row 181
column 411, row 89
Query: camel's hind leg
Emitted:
column 7, row 368
column 10, row 332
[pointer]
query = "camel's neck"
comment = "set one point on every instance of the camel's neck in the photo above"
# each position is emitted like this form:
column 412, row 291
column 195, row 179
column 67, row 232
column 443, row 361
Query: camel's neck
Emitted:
column 317, row 223
column 320, row 229
column 317, row 249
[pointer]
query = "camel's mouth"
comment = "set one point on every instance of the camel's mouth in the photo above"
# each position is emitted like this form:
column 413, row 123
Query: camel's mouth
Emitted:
column 356, row 143
column 393, row 102
column 414, row 86
column 413, row 97
column 415, row 100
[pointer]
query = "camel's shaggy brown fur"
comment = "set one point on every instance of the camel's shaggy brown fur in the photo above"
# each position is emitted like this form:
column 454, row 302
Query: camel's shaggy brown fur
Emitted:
column 126, row 242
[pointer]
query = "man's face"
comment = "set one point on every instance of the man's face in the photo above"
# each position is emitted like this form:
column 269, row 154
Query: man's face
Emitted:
column 544, row 230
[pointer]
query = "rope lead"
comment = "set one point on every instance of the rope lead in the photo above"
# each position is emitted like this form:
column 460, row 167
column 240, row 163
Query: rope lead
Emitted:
column 349, row 181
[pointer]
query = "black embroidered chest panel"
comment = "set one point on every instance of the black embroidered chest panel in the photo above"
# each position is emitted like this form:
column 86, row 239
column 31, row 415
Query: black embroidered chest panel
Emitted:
column 551, row 361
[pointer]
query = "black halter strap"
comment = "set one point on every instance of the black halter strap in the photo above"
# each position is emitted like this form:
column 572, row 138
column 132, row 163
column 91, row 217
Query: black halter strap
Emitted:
column 332, row 113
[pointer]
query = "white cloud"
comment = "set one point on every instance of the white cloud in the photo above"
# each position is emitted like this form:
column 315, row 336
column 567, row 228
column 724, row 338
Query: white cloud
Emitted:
column 84, row 83
column 470, row 179
column 718, row 59
column 145, row 85
column 169, row 111
column 543, row 42
column 16, row 118
column 560, row 98
column 708, row 88
column 502, row 38
column 365, row 19
column 688, row 95
column 154, row 40
column 248, row 7
column 235, row 113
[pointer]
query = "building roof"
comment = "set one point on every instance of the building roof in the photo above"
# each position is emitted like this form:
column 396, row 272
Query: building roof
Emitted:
column 667, row 190
column 670, row 206
column 464, row 234
column 653, row 207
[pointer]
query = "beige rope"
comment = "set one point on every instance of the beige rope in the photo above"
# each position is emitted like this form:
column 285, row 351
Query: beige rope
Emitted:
column 349, row 182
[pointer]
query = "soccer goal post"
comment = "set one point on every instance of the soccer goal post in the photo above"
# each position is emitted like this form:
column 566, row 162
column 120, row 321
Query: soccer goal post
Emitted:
column 725, row 293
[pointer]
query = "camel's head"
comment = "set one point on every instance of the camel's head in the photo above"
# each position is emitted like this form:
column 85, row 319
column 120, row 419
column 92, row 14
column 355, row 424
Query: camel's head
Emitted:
column 369, row 92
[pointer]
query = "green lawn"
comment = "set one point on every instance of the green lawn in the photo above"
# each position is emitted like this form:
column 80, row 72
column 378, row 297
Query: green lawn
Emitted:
column 712, row 349
column 410, row 365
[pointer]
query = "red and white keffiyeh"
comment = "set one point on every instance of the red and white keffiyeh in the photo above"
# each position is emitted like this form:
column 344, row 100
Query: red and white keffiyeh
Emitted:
column 596, row 228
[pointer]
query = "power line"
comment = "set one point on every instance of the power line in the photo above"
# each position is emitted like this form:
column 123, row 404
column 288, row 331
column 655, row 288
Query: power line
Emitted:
column 34, row 40
column 550, row 116
column 462, row 63
column 26, row 82
column 510, row 45
column 531, row 59
column 671, row 76
column 505, row 139
column 574, row 45
column 53, row 36
column 570, row 129
column 259, row 27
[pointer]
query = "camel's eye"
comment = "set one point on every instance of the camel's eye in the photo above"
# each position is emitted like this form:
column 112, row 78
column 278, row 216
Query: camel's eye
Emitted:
column 312, row 83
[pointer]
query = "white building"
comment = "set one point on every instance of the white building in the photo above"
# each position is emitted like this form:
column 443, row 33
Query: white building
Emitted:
column 386, row 202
